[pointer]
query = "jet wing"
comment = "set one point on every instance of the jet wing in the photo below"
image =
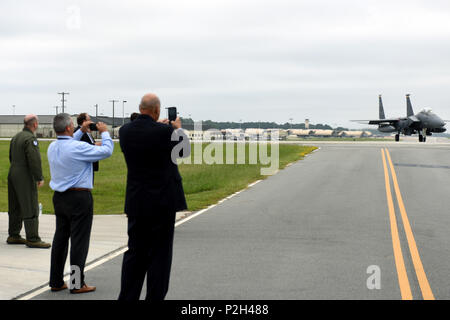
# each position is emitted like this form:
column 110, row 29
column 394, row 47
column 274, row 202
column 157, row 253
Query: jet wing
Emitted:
column 378, row 121
column 384, row 121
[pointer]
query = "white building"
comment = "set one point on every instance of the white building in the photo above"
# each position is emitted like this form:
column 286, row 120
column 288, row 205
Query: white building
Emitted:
column 212, row 134
column 282, row 134
column 299, row 132
column 254, row 133
column 322, row 133
column 10, row 125
column 194, row 134
column 355, row 134
column 233, row 134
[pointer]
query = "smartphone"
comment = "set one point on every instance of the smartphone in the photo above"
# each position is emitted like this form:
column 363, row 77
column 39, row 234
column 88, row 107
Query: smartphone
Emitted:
column 172, row 113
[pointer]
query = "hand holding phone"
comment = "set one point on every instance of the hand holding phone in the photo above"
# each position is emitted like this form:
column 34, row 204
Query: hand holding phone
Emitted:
column 176, row 124
column 172, row 113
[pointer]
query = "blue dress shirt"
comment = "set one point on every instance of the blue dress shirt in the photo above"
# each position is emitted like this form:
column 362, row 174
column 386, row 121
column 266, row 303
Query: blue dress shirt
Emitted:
column 71, row 161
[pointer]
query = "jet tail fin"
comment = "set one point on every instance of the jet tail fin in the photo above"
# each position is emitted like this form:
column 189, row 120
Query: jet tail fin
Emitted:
column 409, row 109
column 381, row 109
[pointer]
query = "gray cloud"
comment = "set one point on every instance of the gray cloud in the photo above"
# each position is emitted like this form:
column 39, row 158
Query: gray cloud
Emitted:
column 228, row 60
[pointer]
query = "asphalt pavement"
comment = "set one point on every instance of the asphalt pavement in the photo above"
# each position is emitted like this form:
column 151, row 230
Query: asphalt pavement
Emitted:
column 319, row 229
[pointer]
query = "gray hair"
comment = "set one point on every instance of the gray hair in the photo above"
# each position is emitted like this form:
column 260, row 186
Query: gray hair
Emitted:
column 61, row 122
column 29, row 120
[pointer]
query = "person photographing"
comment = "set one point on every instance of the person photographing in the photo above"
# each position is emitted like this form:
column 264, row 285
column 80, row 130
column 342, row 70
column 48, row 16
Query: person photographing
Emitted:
column 87, row 136
column 71, row 173
column 154, row 194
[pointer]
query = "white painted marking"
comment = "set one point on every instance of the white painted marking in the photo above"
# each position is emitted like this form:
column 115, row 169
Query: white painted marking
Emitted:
column 67, row 277
column 194, row 215
column 123, row 250
column 214, row 205
column 252, row 184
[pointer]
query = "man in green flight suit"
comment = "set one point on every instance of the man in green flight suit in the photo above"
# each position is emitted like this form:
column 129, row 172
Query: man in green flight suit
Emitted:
column 25, row 175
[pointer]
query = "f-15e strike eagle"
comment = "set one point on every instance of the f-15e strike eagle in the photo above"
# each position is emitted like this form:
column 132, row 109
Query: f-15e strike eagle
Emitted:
column 425, row 123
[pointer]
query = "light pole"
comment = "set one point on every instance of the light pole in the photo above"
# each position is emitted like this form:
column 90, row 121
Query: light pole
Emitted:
column 14, row 109
column 123, row 111
column 113, row 101
column 63, row 100
column 57, row 108
column 290, row 119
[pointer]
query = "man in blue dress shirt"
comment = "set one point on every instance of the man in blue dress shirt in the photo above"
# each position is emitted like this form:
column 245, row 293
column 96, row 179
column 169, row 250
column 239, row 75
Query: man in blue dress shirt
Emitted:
column 71, row 173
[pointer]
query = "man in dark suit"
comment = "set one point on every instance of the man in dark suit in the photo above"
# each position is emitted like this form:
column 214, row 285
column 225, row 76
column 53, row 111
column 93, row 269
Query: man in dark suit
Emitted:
column 134, row 116
column 87, row 136
column 154, row 194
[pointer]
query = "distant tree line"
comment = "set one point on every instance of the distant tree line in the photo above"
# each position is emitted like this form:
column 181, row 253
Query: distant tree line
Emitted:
column 207, row 124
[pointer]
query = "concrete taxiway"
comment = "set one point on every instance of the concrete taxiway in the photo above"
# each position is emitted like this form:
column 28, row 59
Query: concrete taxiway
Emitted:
column 364, row 220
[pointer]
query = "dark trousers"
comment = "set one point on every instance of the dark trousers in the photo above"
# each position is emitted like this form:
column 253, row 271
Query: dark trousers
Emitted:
column 74, row 214
column 150, row 242
column 23, row 208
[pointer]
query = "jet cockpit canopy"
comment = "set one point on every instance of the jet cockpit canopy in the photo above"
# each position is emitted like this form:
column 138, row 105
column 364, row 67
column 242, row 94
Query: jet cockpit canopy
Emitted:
column 427, row 111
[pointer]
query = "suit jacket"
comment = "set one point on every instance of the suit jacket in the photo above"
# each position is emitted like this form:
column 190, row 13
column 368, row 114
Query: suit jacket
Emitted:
column 85, row 138
column 153, row 181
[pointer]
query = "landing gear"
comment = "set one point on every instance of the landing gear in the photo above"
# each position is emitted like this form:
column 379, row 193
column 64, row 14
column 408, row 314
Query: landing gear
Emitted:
column 397, row 137
column 423, row 135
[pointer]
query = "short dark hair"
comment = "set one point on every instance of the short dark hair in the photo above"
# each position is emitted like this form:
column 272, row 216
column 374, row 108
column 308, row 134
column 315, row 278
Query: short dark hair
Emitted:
column 81, row 118
column 133, row 116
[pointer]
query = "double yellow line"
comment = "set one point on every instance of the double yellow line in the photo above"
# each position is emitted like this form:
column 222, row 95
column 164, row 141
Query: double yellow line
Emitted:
column 405, row 288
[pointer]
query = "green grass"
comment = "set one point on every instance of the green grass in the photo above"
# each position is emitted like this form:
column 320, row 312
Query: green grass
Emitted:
column 203, row 184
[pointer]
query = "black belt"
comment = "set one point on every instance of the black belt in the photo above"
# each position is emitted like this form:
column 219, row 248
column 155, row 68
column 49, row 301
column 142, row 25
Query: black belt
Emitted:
column 78, row 189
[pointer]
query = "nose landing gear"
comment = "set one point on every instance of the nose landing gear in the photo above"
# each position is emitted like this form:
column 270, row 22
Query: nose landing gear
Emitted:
column 423, row 135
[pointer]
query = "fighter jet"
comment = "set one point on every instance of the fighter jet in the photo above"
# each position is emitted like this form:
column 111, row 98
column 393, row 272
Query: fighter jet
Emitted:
column 425, row 123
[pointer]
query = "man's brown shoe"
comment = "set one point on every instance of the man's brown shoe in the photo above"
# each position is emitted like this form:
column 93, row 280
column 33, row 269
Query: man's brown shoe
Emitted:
column 63, row 287
column 16, row 240
column 83, row 289
column 38, row 244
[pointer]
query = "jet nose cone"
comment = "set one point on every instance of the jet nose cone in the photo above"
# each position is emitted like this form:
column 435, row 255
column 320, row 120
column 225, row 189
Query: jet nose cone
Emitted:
column 439, row 121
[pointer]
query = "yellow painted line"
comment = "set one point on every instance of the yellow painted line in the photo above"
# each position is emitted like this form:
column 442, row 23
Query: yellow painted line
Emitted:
column 417, row 262
column 403, row 281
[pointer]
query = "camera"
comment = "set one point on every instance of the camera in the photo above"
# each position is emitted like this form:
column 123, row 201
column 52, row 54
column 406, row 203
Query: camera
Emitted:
column 93, row 127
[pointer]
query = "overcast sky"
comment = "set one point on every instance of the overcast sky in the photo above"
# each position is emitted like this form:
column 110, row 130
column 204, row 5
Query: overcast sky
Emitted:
column 325, row 60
